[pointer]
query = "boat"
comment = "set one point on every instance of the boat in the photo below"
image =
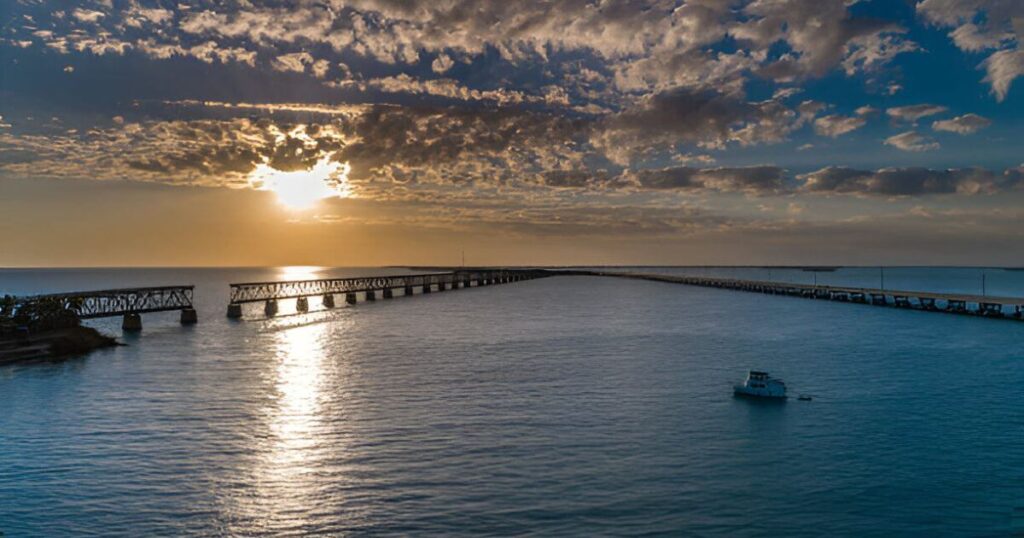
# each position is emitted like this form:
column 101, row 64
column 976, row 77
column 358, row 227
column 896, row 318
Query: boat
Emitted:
column 761, row 385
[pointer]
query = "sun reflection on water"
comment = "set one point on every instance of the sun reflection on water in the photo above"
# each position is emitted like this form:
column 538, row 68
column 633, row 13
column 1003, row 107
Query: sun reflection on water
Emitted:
column 298, row 443
column 299, row 380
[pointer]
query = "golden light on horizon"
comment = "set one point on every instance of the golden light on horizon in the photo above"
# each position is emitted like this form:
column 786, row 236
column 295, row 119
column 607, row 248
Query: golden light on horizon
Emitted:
column 302, row 189
column 299, row 272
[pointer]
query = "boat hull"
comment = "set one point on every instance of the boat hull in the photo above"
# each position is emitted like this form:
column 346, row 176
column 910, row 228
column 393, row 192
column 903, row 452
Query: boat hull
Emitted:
column 760, row 394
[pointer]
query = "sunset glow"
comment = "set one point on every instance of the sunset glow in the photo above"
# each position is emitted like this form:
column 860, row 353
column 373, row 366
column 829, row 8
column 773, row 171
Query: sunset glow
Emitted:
column 302, row 189
column 594, row 131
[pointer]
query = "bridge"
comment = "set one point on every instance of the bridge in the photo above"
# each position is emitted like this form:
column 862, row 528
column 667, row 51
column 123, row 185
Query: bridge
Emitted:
column 127, row 302
column 269, row 293
column 950, row 303
column 131, row 303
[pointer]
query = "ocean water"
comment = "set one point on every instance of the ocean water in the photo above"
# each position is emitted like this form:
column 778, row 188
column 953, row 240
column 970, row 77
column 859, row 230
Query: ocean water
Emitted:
column 561, row 406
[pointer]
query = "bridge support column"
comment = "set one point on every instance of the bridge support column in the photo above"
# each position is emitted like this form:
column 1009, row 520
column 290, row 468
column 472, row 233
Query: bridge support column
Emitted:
column 408, row 291
column 468, row 283
column 442, row 286
column 302, row 304
column 234, row 311
column 426, row 288
column 328, row 300
column 189, row 316
column 270, row 308
column 131, row 323
column 350, row 298
column 990, row 309
column 371, row 295
column 388, row 293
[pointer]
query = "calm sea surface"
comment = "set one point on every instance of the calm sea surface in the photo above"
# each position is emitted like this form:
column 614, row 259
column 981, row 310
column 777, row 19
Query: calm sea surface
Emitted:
column 560, row 406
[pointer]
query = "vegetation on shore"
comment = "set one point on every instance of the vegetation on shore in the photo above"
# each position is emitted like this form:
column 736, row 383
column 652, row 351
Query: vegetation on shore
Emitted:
column 44, row 328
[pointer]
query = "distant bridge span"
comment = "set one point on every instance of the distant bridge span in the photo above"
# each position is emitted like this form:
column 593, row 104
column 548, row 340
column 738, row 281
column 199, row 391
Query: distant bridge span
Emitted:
column 950, row 303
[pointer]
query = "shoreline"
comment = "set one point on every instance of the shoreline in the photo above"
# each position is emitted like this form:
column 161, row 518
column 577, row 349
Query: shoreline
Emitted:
column 55, row 345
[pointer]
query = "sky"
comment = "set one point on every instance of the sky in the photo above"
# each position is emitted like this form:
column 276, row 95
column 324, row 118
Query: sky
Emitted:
column 389, row 132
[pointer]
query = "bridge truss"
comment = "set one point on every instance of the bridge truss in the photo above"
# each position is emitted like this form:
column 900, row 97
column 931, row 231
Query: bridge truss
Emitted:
column 117, row 302
column 251, row 292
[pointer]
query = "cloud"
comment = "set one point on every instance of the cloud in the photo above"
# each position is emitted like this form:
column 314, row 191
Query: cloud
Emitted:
column 199, row 152
column 760, row 180
column 913, row 113
column 207, row 52
column 982, row 25
column 442, row 87
column 645, row 46
column 836, row 125
column 820, row 33
column 906, row 181
column 295, row 62
column 911, row 141
column 978, row 24
column 442, row 63
column 1001, row 69
column 87, row 15
column 964, row 125
column 704, row 118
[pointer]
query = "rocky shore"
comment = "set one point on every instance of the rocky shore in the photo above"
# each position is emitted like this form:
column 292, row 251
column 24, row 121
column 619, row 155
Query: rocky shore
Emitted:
column 54, row 344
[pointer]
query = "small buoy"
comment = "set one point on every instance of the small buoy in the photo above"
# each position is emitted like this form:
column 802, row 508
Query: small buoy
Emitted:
column 804, row 398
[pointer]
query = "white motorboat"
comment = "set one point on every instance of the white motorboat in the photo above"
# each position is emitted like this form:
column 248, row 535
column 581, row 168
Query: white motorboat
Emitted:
column 761, row 385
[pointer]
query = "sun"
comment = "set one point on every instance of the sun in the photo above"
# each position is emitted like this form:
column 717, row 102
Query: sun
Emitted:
column 302, row 189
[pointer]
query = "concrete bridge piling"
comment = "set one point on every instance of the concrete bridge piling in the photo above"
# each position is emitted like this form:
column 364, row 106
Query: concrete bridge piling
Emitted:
column 189, row 316
column 270, row 307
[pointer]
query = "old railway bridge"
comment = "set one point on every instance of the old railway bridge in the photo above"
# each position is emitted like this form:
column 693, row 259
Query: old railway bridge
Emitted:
column 132, row 302
column 269, row 293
